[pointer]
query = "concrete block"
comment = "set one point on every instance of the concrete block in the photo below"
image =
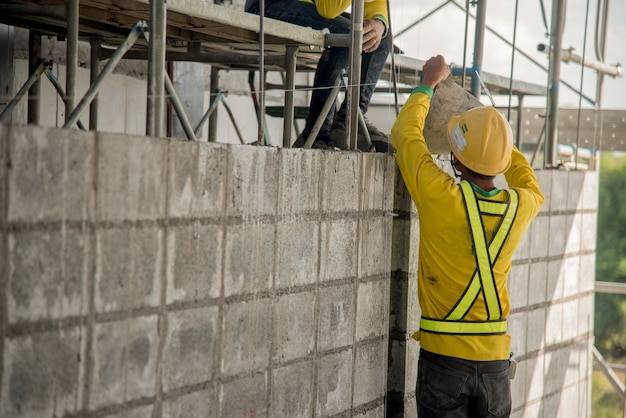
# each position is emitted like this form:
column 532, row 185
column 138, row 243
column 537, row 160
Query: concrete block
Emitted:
column 334, row 384
column 573, row 238
column 535, row 379
column 375, row 412
column 301, row 182
column 370, row 372
column 571, row 272
column 252, row 181
column 591, row 189
column 555, row 324
column 518, row 386
column 412, row 358
column 196, row 404
column 252, row 321
column 342, row 175
column 556, row 280
column 197, row 172
column 338, row 249
column 194, row 262
column 47, row 274
column 575, row 189
column 249, row 262
column 570, row 320
column 585, row 314
column 128, row 268
column 544, row 177
column 190, row 344
column 42, row 374
column 124, row 358
column 292, row 391
column 558, row 194
column 558, row 234
column 536, row 329
column 537, row 279
column 131, row 177
column 522, row 252
column 556, row 365
column 571, row 403
column 335, row 317
column 293, row 324
column 137, row 412
column 374, row 178
column 587, row 272
column 375, row 246
column 245, row 397
column 398, row 301
column 518, row 285
column 5, row 134
column 589, row 231
column 35, row 175
column 298, row 253
column 402, row 201
column 372, row 309
column 518, row 329
column 538, row 242
column 404, row 245
column 396, row 372
column 51, row 174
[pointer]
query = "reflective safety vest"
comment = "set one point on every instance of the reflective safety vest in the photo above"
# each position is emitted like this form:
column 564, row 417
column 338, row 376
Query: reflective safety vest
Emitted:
column 482, row 280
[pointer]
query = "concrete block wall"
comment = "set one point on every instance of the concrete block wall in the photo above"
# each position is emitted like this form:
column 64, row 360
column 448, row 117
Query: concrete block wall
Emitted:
column 551, row 285
column 153, row 277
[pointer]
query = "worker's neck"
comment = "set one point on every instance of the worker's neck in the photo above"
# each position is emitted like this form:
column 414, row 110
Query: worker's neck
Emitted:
column 485, row 184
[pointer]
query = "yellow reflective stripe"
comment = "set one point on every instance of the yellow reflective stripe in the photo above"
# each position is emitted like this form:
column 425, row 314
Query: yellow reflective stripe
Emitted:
column 462, row 327
column 492, row 208
column 476, row 226
column 505, row 226
column 484, row 274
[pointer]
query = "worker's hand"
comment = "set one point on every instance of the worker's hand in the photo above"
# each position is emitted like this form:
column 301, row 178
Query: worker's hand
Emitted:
column 434, row 71
column 373, row 30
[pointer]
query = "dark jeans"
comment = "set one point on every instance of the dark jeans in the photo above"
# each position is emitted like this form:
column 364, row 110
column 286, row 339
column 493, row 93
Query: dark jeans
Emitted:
column 450, row 387
column 332, row 61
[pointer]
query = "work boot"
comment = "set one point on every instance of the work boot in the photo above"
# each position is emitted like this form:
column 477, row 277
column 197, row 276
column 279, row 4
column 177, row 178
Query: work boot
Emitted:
column 380, row 140
column 321, row 142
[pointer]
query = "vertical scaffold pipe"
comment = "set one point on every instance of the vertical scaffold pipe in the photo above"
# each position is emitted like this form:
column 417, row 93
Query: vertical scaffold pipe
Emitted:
column 556, row 39
column 71, row 56
column 355, row 70
column 156, row 68
column 479, row 42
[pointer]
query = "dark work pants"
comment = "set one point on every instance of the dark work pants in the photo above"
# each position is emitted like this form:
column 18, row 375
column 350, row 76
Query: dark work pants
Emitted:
column 449, row 387
column 332, row 61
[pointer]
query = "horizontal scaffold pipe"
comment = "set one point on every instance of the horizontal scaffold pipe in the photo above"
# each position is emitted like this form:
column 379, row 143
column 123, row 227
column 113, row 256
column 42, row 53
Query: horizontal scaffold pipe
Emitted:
column 567, row 55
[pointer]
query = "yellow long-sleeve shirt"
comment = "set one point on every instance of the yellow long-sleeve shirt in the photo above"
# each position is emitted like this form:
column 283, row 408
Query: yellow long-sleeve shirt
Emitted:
column 446, row 262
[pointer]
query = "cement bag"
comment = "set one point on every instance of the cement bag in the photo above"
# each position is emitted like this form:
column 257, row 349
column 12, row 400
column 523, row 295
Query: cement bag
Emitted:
column 449, row 100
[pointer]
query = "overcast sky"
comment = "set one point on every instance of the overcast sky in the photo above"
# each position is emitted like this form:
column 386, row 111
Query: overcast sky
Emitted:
column 443, row 33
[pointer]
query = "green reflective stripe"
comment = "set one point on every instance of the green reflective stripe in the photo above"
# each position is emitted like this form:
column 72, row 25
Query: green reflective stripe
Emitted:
column 462, row 327
column 492, row 208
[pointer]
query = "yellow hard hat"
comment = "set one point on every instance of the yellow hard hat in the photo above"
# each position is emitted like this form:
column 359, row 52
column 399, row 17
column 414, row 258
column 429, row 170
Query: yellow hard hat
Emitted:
column 482, row 140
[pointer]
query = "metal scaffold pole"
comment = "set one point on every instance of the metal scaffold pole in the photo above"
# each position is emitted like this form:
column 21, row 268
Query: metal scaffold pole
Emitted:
column 479, row 41
column 355, row 71
column 72, row 56
column 156, row 68
column 556, row 39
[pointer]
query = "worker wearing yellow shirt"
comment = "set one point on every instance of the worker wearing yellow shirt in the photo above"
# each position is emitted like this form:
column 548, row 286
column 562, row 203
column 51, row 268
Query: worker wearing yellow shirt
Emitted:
column 468, row 233
column 329, row 14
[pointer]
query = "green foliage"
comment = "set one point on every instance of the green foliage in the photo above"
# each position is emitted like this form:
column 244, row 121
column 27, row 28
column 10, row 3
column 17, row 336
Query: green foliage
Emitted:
column 610, row 313
column 605, row 402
